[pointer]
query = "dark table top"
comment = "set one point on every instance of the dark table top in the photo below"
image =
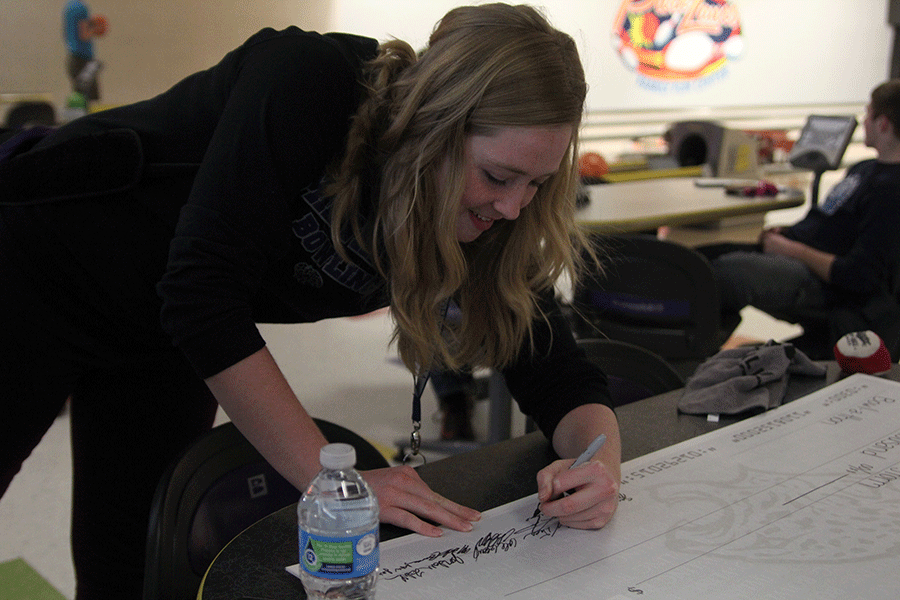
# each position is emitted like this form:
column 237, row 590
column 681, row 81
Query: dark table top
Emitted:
column 252, row 565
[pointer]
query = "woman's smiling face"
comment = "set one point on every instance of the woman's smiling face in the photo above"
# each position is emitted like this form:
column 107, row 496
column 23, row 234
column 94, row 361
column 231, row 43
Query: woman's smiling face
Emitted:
column 503, row 171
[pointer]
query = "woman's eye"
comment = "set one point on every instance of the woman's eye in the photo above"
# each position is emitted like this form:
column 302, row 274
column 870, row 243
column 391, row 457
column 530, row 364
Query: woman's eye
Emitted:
column 494, row 180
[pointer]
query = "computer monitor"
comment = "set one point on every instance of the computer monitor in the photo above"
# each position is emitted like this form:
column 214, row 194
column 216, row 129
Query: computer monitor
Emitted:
column 822, row 142
column 821, row 146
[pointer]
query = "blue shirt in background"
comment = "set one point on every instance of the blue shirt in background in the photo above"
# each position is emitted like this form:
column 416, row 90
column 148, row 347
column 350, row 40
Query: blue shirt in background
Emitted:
column 74, row 12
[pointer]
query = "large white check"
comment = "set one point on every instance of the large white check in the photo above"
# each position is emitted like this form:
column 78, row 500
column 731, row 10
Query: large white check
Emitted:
column 800, row 502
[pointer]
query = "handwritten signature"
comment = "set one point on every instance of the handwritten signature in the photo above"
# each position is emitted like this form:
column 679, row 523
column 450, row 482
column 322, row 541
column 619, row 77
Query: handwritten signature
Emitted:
column 490, row 543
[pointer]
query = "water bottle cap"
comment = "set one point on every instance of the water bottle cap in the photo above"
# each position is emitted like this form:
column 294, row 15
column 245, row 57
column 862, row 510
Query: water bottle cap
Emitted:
column 76, row 100
column 337, row 456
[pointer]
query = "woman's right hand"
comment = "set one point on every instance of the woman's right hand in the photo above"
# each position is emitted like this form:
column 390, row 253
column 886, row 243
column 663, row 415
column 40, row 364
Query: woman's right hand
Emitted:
column 259, row 400
column 404, row 500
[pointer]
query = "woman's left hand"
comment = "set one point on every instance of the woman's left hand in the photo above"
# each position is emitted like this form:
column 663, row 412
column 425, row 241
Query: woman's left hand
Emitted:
column 593, row 493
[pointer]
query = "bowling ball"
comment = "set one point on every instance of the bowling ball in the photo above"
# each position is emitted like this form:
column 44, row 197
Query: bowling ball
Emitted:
column 100, row 25
column 591, row 165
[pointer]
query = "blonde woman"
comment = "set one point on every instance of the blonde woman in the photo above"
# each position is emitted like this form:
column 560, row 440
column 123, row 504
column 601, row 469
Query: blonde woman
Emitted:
column 303, row 177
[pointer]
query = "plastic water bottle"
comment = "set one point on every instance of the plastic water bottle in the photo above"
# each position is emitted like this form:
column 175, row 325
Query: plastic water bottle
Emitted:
column 76, row 106
column 337, row 519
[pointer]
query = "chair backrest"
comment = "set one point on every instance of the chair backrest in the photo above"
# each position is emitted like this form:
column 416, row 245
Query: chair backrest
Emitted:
column 653, row 293
column 633, row 373
column 220, row 486
column 27, row 113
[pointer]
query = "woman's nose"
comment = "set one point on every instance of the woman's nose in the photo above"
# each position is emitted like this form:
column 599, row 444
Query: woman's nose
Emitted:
column 511, row 204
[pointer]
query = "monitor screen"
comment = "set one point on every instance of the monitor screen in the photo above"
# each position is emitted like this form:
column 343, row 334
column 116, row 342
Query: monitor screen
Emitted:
column 822, row 142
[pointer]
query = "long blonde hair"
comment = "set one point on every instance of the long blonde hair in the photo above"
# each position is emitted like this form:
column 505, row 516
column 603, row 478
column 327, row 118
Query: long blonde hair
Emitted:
column 485, row 67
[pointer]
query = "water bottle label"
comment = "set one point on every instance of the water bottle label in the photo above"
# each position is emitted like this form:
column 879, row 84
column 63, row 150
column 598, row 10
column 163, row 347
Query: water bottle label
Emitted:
column 339, row 557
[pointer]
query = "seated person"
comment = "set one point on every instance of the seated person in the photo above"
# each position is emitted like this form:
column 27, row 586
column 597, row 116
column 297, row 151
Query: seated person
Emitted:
column 842, row 256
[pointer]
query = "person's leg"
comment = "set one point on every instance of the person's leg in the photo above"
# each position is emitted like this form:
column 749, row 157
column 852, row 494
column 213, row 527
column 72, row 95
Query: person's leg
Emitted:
column 769, row 282
column 88, row 80
column 34, row 377
column 128, row 425
column 454, row 394
column 714, row 251
column 74, row 66
column 31, row 401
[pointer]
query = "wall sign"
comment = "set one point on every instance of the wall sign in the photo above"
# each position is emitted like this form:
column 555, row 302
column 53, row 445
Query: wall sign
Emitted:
column 677, row 44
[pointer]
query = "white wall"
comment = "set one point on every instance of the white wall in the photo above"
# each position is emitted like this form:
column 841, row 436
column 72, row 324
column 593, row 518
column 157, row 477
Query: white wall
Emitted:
column 795, row 52
column 151, row 44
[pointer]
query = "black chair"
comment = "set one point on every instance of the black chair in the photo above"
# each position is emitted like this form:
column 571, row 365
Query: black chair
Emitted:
column 220, row 486
column 28, row 113
column 633, row 373
column 653, row 293
column 823, row 327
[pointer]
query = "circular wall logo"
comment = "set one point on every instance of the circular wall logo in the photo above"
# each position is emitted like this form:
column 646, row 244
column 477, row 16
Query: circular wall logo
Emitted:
column 677, row 39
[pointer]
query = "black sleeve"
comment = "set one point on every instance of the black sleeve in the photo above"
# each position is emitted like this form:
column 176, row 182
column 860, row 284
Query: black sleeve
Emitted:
column 285, row 118
column 557, row 377
column 857, row 222
column 872, row 258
